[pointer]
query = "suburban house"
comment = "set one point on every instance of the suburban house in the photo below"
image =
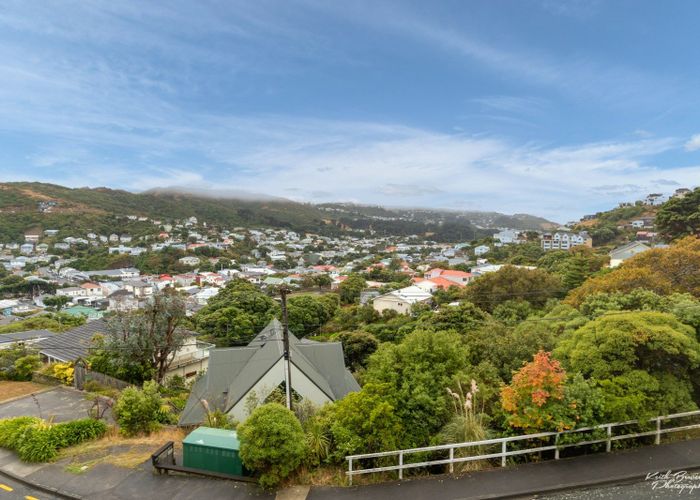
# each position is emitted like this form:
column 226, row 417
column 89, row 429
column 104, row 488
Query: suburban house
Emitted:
column 401, row 300
column 68, row 346
column 621, row 254
column 481, row 250
column 239, row 374
column 26, row 337
column 565, row 240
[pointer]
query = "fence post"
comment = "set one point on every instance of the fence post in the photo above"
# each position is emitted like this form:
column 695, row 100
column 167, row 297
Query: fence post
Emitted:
column 452, row 457
column 401, row 465
column 657, row 440
column 556, row 447
column 350, row 470
column 608, row 444
column 503, row 453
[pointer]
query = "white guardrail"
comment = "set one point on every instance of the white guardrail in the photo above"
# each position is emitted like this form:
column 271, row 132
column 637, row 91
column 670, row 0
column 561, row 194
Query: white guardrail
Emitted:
column 504, row 453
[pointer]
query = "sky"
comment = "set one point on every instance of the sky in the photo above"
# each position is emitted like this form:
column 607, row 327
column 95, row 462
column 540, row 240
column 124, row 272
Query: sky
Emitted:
column 555, row 108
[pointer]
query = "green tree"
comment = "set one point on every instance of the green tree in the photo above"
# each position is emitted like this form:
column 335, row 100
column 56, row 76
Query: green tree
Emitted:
column 362, row 422
column 462, row 318
column 417, row 371
column 149, row 337
column 643, row 361
column 272, row 443
column 357, row 347
column 56, row 302
column 351, row 288
column 680, row 217
column 237, row 313
column 512, row 283
column 137, row 410
column 308, row 313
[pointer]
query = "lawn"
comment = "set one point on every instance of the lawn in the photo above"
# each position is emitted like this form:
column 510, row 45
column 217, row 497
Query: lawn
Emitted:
column 10, row 390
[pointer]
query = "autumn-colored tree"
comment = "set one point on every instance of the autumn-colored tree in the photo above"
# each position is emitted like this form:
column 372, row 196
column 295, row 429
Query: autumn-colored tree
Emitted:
column 535, row 399
column 661, row 270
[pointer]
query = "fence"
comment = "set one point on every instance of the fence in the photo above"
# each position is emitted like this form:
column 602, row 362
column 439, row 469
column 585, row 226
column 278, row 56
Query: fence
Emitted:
column 504, row 453
column 81, row 375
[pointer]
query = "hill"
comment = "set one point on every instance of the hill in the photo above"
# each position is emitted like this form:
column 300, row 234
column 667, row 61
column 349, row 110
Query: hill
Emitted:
column 27, row 205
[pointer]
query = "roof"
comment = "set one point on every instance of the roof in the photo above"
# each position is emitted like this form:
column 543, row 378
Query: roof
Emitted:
column 213, row 438
column 629, row 246
column 233, row 372
column 25, row 336
column 72, row 344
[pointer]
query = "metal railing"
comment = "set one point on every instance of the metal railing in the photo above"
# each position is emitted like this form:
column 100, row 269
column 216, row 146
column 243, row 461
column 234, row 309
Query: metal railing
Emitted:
column 504, row 453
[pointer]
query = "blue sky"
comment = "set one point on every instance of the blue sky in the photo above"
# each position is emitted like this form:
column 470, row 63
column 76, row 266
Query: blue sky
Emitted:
column 551, row 107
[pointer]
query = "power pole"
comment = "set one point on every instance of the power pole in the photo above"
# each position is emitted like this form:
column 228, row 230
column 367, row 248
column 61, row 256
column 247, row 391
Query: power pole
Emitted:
column 285, row 333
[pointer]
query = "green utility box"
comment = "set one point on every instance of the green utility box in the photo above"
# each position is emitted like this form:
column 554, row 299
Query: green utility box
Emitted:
column 214, row 450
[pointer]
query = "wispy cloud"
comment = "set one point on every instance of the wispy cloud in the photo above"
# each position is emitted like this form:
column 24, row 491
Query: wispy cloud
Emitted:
column 693, row 143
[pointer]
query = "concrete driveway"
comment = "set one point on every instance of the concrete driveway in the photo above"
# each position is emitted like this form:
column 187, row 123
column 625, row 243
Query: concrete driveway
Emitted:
column 61, row 403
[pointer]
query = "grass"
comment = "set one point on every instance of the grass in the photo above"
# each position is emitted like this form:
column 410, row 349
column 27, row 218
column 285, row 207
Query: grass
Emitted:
column 10, row 389
column 117, row 450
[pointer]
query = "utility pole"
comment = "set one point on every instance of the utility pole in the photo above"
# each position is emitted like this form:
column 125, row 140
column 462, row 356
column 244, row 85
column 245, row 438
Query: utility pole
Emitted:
column 285, row 332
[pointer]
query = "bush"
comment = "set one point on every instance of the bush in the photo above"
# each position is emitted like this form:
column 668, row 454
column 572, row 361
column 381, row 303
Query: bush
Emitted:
column 11, row 430
column 139, row 411
column 35, row 440
column 25, row 366
column 64, row 372
column 272, row 443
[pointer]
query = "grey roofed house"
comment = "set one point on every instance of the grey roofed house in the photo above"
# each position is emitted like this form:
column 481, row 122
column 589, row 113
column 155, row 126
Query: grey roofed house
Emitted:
column 26, row 337
column 621, row 254
column 72, row 344
column 318, row 374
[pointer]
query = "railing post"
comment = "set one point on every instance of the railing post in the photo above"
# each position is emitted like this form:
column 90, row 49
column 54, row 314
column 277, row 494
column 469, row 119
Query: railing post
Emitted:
column 608, row 444
column 452, row 457
column 657, row 440
column 401, row 465
column 503, row 453
column 350, row 470
column 556, row 447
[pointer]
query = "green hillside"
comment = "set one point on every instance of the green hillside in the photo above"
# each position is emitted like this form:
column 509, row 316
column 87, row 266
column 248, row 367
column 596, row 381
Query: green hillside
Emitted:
column 102, row 210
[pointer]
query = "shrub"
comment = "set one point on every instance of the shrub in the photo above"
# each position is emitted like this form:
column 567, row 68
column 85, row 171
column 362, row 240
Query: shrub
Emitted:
column 25, row 366
column 272, row 443
column 64, row 372
column 11, row 430
column 138, row 410
column 35, row 440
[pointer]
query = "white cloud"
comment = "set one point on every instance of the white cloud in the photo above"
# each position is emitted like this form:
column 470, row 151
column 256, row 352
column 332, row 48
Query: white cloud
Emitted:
column 693, row 144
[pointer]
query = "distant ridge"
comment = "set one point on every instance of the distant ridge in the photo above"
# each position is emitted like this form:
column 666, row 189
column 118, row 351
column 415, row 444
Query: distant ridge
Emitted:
column 98, row 208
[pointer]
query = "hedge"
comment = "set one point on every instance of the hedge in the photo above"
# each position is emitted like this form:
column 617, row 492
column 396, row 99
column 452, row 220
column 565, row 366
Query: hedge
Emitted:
column 35, row 440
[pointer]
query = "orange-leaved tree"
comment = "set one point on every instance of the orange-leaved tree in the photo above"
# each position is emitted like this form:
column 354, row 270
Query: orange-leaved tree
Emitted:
column 536, row 398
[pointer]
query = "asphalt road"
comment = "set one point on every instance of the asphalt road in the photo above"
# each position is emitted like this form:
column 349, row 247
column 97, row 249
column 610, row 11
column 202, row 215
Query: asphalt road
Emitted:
column 12, row 490
column 638, row 491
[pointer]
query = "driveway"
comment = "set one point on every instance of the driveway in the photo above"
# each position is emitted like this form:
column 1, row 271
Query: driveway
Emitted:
column 61, row 403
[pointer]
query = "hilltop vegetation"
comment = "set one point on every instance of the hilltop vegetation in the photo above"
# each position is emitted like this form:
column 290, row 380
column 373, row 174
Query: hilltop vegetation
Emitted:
column 98, row 209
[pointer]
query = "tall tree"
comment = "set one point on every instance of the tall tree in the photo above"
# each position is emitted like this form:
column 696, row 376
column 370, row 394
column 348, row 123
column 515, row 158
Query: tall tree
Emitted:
column 149, row 337
column 680, row 217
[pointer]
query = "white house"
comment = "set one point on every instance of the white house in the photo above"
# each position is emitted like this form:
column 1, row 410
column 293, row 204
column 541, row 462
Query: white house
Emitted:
column 401, row 300
column 481, row 250
column 189, row 260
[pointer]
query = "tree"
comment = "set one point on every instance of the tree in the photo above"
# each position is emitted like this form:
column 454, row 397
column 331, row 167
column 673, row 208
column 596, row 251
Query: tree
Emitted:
column 661, row 270
column 321, row 280
column 237, row 313
column 272, row 443
column 362, row 422
column 679, row 217
column 147, row 338
column 416, row 372
column 307, row 313
column 537, row 399
column 351, row 288
column 462, row 318
column 512, row 283
column 56, row 301
column 643, row 361
column 136, row 410
column 357, row 347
